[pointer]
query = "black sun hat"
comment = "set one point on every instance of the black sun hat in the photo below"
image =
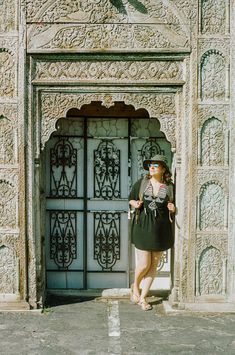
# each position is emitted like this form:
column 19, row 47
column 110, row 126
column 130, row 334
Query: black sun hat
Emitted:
column 155, row 159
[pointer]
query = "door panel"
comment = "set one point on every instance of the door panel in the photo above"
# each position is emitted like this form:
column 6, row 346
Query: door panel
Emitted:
column 64, row 215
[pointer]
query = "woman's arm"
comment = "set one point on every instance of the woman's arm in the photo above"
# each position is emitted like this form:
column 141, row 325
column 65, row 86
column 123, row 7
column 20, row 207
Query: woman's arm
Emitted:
column 136, row 203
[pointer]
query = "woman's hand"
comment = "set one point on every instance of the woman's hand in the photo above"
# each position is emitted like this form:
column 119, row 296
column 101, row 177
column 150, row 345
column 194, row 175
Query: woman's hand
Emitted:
column 171, row 207
column 136, row 204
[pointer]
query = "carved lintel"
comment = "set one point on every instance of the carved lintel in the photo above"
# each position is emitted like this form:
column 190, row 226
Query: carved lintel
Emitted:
column 92, row 37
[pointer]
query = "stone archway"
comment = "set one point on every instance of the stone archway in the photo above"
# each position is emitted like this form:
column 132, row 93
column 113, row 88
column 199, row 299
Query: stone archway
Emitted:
column 68, row 136
column 54, row 105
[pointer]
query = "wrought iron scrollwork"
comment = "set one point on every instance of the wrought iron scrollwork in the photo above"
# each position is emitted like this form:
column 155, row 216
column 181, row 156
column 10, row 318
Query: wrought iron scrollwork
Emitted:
column 148, row 150
column 63, row 174
column 163, row 260
column 107, row 171
column 107, row 239
column 63, row 238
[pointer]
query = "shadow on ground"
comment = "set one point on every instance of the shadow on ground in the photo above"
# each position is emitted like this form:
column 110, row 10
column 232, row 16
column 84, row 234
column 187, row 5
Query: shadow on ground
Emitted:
column 58, row 300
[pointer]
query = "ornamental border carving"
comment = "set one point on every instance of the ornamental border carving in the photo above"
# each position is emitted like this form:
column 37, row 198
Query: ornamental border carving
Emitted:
column 56, row 105
column 106, row 70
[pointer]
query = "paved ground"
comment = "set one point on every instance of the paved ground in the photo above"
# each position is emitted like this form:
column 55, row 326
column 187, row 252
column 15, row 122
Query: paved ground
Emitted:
column 94, row 326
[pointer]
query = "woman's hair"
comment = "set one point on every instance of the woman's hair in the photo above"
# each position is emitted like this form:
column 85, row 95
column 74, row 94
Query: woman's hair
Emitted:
column 166, row 177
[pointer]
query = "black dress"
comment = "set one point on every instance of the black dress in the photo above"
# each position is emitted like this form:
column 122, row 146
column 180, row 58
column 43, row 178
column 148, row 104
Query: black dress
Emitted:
column 152, row 230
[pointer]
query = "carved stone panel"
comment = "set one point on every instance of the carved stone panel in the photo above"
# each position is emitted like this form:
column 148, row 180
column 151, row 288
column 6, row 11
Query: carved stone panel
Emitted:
column 55, row 106
column 213, row 17
column 108, row 11
column 211, row 207
column 8, row 201
column 8, row 270
column 58, row 37
column 8, row 11
column 7, row 141
column 210, row 272
column 102, row 71
column 7, row 74
column 211, row 264
column 213, row 76
column 212, row 142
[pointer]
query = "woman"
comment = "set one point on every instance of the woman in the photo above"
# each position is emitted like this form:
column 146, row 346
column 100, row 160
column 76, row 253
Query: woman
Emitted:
column 151, row 230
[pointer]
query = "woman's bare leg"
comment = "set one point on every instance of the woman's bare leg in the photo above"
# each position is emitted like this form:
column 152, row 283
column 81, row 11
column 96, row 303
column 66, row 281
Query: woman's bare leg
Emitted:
column 151, row 274
column 142, row 266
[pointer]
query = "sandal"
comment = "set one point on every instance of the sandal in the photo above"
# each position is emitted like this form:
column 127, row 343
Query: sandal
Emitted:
column 145, row 306
column 133, row 297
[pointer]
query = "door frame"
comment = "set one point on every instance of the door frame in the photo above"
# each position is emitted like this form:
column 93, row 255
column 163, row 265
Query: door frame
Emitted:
column 48, row 105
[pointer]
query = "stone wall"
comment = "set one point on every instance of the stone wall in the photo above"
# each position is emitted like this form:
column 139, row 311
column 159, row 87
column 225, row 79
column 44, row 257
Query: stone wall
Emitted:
column 173, row 58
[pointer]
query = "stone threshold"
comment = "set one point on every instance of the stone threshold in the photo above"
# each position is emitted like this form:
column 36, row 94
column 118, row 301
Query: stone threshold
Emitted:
column 20, row 306
column 203, row 307
column 118, row 293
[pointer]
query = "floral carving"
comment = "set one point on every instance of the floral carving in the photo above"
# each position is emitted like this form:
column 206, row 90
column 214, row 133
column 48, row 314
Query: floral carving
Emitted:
column 56, row 105
column 108, row 71
column 8, row 270
column 104, row 36
column 107, row 11
column 7, row 141
column 212, row 142
column 213, row 16
column 8, row 203
column 210, row 272
column 7, row 74
column 7, row 15
column 212, row 206
column 213, row 76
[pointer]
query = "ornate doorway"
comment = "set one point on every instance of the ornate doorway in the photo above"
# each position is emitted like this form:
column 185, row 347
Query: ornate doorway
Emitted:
column 91, row 162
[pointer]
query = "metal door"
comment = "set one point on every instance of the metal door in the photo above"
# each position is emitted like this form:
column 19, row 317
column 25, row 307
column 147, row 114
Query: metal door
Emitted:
column 90, row 166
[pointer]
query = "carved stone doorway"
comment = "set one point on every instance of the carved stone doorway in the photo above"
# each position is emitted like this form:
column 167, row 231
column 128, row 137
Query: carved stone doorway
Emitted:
column 89, row 165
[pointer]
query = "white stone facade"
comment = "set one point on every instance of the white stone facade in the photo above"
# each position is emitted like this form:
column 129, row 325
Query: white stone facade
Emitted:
column 173, row 58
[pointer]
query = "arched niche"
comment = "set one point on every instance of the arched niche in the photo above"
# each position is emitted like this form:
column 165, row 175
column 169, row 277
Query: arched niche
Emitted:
column 212, row 207
column 213, row 76
column 9, row 273
column 212, row 142
column 210, row 271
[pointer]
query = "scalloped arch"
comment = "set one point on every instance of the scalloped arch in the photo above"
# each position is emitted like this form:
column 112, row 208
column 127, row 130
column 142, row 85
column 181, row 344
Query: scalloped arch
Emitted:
column 211, row 182
column 56, row 105
column 209, row 52
column 207, row 119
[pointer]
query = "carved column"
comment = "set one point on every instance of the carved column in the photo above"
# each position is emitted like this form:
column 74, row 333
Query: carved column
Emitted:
column 211, row 237
column 12, row 268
